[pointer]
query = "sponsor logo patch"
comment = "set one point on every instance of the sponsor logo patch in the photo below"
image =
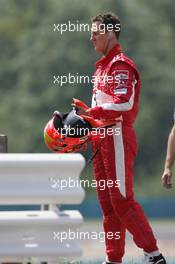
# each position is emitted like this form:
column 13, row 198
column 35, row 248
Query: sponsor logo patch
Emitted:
column 121, row 77
column 120, row 91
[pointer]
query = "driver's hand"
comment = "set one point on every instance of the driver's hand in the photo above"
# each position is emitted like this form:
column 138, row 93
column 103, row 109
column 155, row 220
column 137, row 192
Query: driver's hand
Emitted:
column 167, row 178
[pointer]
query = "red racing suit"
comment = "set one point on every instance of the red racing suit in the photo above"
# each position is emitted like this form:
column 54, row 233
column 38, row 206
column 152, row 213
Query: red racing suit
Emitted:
column 115, row 96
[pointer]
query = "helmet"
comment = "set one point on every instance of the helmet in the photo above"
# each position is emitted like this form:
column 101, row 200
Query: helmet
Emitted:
column 66, row 133
column 70, row 132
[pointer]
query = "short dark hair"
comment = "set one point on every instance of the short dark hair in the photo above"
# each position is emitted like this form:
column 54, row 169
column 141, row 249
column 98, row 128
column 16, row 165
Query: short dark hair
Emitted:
column 109, row 19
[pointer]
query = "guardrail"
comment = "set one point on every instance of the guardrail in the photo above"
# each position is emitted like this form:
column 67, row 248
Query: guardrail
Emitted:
column 39, row 179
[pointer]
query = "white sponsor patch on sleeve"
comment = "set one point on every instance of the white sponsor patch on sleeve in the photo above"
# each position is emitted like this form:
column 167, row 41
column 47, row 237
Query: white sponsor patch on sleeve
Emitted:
column 121, row 76
column 120, row 91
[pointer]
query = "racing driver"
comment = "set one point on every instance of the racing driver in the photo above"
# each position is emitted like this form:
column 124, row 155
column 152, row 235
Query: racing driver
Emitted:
column 115, row 96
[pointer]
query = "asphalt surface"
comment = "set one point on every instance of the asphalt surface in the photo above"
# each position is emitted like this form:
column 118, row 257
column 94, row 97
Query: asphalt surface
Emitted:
column 94, row 248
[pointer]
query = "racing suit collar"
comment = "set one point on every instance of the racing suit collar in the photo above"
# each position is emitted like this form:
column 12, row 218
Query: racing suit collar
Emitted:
column 105, row 59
